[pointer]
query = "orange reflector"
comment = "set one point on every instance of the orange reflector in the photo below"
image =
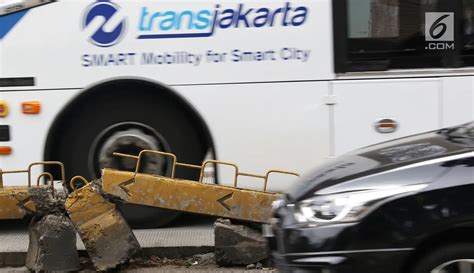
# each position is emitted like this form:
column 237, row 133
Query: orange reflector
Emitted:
column 31, row 107
column 387, row 125
column 3, row 109
column 5, row 150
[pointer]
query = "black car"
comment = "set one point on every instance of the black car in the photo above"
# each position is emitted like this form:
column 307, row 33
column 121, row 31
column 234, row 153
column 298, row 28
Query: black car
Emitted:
column 402, row 206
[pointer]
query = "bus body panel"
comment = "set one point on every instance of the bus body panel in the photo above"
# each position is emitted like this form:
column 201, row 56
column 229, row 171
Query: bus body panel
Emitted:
column 257, row 126
column 271, row 101
column 457, row 100
column 413, row 103
column 417, row 105
column 29, row 132
column 54, row 44
column 55, row 37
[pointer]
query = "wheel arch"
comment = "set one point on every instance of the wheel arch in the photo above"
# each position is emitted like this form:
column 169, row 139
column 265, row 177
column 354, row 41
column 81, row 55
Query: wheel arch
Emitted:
column 457, row 234
column 158, row 89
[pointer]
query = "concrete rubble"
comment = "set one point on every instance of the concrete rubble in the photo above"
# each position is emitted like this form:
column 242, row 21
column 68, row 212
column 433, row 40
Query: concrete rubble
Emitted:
column 52, row 245
column 108, row 239
column 237, row 244
column 46, row 201
column 52, row 236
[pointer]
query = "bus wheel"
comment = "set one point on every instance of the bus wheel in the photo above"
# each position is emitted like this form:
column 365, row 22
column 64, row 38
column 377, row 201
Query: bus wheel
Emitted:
column 128, row 138
column 127, row 117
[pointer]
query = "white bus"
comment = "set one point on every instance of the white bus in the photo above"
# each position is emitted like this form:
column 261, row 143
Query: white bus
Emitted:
column 265, row 84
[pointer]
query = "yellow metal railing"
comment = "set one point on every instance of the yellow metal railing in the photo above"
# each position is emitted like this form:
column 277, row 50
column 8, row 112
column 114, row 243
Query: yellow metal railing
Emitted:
column 47, row 175
column 79, row 178
column 201, row 168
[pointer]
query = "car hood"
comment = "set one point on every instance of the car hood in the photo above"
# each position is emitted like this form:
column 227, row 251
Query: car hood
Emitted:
column 386, row 164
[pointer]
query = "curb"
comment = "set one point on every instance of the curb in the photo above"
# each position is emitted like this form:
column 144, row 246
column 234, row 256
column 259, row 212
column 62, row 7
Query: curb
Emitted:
column 17, row 259
column 14, row 259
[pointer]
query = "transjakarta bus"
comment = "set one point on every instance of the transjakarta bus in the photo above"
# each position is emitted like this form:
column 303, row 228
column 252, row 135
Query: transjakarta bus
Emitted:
column 265, row 84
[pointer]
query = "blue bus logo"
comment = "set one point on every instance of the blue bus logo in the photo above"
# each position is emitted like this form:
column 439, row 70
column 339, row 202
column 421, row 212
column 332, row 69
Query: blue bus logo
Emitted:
column 105, row 35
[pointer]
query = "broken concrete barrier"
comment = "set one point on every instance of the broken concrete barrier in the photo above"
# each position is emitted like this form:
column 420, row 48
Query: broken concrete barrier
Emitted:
column 238, row 244
column 52, row 245
column 108, row 239
column 45, row 201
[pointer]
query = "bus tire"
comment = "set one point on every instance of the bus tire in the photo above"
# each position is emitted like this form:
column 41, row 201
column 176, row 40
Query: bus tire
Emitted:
column 76, row 131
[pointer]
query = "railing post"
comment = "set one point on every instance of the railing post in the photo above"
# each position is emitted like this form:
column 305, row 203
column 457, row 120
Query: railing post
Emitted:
column 1, row 179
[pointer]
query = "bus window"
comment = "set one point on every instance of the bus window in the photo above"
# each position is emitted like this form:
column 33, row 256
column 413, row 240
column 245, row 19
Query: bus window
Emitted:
column 390, row 34
column 468, row 27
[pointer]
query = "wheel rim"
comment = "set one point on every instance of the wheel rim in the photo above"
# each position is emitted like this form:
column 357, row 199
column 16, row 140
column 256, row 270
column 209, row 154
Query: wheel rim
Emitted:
column 455, row 266
column 129, row 138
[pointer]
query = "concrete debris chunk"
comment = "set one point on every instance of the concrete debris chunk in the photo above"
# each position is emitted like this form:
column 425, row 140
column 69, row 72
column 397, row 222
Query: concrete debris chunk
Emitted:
column 108, row 239
column 52, row 244
column 46, row 201
column 238, row 244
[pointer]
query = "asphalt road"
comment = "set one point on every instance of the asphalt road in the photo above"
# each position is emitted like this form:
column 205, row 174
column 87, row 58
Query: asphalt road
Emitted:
column 202, row 270
column 165, row 269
